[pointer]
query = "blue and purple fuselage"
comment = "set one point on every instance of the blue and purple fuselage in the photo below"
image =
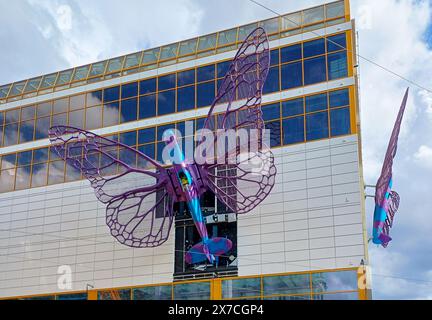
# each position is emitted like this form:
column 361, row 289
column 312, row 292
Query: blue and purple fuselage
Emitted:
column 186, row 175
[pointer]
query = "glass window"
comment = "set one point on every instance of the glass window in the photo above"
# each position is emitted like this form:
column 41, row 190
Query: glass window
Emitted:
column 337, row 296
column 289, row 284
column 292, row 75
column 292, row 107
column 77, row 102
column 317, row 126
column 56, row 172
column 169, row 51
column 132, row 60
column 291, row 53
column 115, row 294
column 146, row 135
column 241, row 288
column 334, row 10
column 48, row 80
column 76, row 118
column 186, row 77
column 271, row 111
column 192, row 291
column 12, row 116
column 293, row 130
column 81, row 73
column 11, row 134
column 245, row 31
column 272, row 82
column 207, row 42
column 22, row 178
column 129, row 90
column 205, row 94
column 336, row 43
column 42, row 125
column 313, row 15
column 339, row 98
column 160, row 147
column 227, row 37
column 152, row 293
column 149, row 150
column 167, row 82
column 335, row 281
column 314, row 70
column 274, row 57
column 316, row 102
column 206, row 73
column 40, row 155
column 97, row 69
column 188, row 47
column 7, row 178
column 74, row 296
column 115, row 64
column 39, row 175
column 111, row 114
column 147, row 106
column 64, row 77
column 313, row 48
column 129, row 110
column 111, row 94
column 222, row 68
column 148, row 86
column 44, row 109
column 340, row 122
column 275, row 132
column 162, row 129
column 27, row 113
column 26, row 131
column 186, row 98
column 166, row 102
column 61, row 105
column 93, row 117
column 9, row 161
column 24, row 158
column 150, row 56
column 61, row 119
column 128, row 138
column 337, row 65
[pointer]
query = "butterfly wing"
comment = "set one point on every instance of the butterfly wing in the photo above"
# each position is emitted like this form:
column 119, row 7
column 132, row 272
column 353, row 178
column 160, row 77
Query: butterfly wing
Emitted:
column 135, row 197
column 242, row 180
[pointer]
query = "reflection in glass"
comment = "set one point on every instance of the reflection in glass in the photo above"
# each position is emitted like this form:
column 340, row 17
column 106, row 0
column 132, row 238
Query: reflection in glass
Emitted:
column 313, row 15
column 337, row 296
column 129, row 110
column 7, row 178
column 26, row 131
column 10, row 134
column 27, row 113
column 289, row 284
column 241, row 288
column 316, row 102
column 340, row 123
column 41, row 130
column 93, row 117
column 337, row 65
column 56, row 172
column 77, row 102
column 60, row 105
column 185, row 98
column 314, row 70
column 22, row 178
column 166, row 102
column 110, row 114
column 192, row 291
column 72, row 174
column 59, row 119
column 335, row 281
column 76, row 118
column 39, row 175
column 152, row 293
column 115, row 294
column 205, row 94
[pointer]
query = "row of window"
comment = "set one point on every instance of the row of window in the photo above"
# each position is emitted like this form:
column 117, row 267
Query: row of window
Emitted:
column 337, row 285
column 293, row 121
column 292, row 66
column 283, row 26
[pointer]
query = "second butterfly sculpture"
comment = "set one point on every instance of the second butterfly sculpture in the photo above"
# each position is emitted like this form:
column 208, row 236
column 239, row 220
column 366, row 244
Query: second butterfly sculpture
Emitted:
column 140, row 200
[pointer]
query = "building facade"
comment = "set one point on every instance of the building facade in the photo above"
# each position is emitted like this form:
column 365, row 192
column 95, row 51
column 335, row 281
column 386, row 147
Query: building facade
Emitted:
column 307, row 240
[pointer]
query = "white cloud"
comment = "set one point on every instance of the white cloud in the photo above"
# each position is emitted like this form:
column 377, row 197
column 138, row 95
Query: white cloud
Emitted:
column 424, row 156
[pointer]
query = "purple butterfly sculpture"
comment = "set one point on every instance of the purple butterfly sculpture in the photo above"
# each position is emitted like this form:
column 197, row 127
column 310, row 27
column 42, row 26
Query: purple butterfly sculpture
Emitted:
column 386, row 200
column 140, row 199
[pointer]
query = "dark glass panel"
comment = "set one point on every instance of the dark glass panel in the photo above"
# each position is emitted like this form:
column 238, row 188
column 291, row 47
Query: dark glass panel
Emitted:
column 271, row 111
column 9, row 161
column 129, row 110
column 274, row 57
column 291, row 53
column 152, row 293
column 206, row 73
column 238, row 288
column 27, row 113
column 289, row 284
column 186, row 98
column 317, row 126
column 128, row 138
column 162, row 129
column 148, row 150
column 26, row 131
column 160, row 147
column 192, row 291
column 340, row 122
column 40, row 155
column 291, row 75
column 272, row 82
column 293, row 130
column 316, row 102
column 186, row 77
column 339, row 98
column 336, row 43
column 337, row 65
column 314, row 70
column 205, row 94
column 313, row 48
column 222, row 68
column 146, row 135
column 111, row 94
column 129, row 90
column 166, row 102
column 275, row 132
column 167, row 82
column 12, row 116
column 147, row 106
column 41, row 130
column 292, row 107
column 148, row 86
column 24, row 158
column 93, row 117
column 111, row 114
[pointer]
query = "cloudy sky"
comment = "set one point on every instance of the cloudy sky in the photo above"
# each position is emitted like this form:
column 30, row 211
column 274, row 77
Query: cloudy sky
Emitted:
column 42, row 36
